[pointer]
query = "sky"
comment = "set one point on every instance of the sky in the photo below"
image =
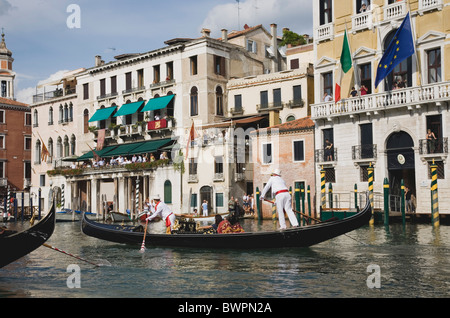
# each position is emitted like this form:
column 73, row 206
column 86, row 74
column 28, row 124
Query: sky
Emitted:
column 50, row 37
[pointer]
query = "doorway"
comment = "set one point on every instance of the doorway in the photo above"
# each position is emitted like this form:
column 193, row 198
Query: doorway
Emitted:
column 401, row 166
column 206, row 194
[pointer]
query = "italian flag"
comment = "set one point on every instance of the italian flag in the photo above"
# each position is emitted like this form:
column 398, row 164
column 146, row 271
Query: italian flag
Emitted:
column 346, row 65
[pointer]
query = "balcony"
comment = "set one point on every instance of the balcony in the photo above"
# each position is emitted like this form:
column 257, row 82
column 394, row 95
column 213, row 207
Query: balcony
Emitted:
column 325, row 32
column 431, row 148
column 162, row 84
column 105, row 96
column 411, row 97
column 364, row 152
column 296, row 103
column 362, row 21
column 429, row 5
column 269, row 107
column 45, row 96
column 133, row 90
column 395, row 10
column 324, row 155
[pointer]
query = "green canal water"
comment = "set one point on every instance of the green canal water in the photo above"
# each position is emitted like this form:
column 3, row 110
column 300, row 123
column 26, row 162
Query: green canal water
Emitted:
column 371, row 262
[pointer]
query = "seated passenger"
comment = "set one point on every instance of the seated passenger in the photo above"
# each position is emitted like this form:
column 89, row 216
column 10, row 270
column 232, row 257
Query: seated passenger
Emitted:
column 230, row 225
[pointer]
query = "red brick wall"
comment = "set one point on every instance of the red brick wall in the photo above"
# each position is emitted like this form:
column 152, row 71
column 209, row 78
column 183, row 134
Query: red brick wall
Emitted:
column 291, row 171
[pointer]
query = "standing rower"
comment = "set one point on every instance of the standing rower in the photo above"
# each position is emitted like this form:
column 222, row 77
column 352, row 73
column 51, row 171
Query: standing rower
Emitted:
column 282, row 198
column 162, row 210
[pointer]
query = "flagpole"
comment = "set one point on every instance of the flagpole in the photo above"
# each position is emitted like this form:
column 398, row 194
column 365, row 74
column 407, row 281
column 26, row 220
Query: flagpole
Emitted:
column 355, row 78
column 413, row 29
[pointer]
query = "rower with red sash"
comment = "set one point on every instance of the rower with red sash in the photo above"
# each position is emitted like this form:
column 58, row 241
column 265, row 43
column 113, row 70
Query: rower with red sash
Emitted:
column 282, row 197
column 163, row 211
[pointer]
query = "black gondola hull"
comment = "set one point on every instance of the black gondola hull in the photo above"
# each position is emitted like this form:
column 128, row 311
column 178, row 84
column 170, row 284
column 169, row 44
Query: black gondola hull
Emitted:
column 293, row 237
column 17, row 245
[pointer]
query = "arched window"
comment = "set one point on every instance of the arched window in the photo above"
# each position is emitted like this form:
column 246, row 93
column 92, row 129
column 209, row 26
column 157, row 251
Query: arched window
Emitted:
column 50, row 116
column 167, row 192
column 70, row 111
column 37, row 158
column 72, row 145
column 61, row 114
column 194, row 101
column 59, row 148
column 50, row 148
column 36, row 118
column 66, row 146
column 290, row 118
column 219, row 101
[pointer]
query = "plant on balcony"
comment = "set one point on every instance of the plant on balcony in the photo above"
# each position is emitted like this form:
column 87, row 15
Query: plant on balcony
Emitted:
column 93, row 129
column 292, row 38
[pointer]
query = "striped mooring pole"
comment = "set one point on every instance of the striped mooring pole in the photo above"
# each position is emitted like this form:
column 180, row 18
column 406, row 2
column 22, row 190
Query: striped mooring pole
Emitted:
column 302, row 195
column 297, row 201
column 356, row 196
column 323, row 198
column 434, row 196
column 63, row 201
column 309, row 200
column 137, row 196
column 258, row 204
column 370, row 172
column 386, row 201
column 274, row 211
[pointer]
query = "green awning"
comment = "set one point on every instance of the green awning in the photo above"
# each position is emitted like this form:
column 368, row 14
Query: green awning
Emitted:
column 102, row 114
column 100, row 153
column 150, row 146
column 123, row 150
column 128, row 109
column 158, row 103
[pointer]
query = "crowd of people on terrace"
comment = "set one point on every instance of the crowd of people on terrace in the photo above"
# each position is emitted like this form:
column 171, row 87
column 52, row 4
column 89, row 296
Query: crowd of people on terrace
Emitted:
column 122, row 160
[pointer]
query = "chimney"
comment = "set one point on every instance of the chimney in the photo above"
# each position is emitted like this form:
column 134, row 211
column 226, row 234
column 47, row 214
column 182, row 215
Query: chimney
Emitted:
column 224, row 35
column 273, row 29
column 206, row 32
column 98, row 60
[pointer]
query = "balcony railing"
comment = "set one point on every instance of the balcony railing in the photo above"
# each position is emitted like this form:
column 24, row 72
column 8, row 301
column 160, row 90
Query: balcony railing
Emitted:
column 395, row 10
column 362, row 21
column 133, row 90
column 364, row 152
column 325, row 32
column 438, row 146
column 325, row 155
column 427, row 5
column 269, row 106
column 406, row 97
column 41, row 97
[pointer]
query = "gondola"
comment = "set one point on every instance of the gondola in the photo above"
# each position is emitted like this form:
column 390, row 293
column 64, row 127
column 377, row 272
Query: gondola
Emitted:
column 293, row 237
column 15, row 245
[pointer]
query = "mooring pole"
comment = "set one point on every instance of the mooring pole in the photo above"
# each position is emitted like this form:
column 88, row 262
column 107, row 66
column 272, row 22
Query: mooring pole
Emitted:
column 297, row 202
column 402, row 202
column 370, row 172
column 356, row 196
column 258, row 204
column 309, row 200
column 302, row 195
column 434, row 196
column 323, row 198
column 386, row 201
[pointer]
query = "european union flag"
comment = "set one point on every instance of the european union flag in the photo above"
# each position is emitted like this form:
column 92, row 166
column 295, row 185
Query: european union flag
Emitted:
column 400, row 48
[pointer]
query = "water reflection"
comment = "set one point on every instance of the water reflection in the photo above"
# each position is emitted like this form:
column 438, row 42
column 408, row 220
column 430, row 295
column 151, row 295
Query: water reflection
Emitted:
column 414, row 262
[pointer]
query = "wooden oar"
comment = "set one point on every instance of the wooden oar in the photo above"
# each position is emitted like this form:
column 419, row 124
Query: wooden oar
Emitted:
column 143, row 241
column 77, row 257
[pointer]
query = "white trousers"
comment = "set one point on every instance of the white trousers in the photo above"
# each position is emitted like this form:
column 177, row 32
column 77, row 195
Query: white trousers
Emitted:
column 283, row 201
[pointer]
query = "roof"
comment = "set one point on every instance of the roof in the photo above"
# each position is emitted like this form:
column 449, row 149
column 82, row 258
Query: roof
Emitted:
column 234, row 34
column 304, row 123
column 7, row 101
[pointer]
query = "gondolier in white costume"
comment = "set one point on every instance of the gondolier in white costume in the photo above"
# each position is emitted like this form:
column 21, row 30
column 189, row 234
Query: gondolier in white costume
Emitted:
column 282, row 198
column 162, row 210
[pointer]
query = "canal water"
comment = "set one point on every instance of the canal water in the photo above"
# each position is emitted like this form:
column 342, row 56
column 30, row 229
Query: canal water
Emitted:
column 409, row 261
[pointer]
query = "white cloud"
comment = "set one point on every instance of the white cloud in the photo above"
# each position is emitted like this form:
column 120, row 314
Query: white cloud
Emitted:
column 293, row 14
